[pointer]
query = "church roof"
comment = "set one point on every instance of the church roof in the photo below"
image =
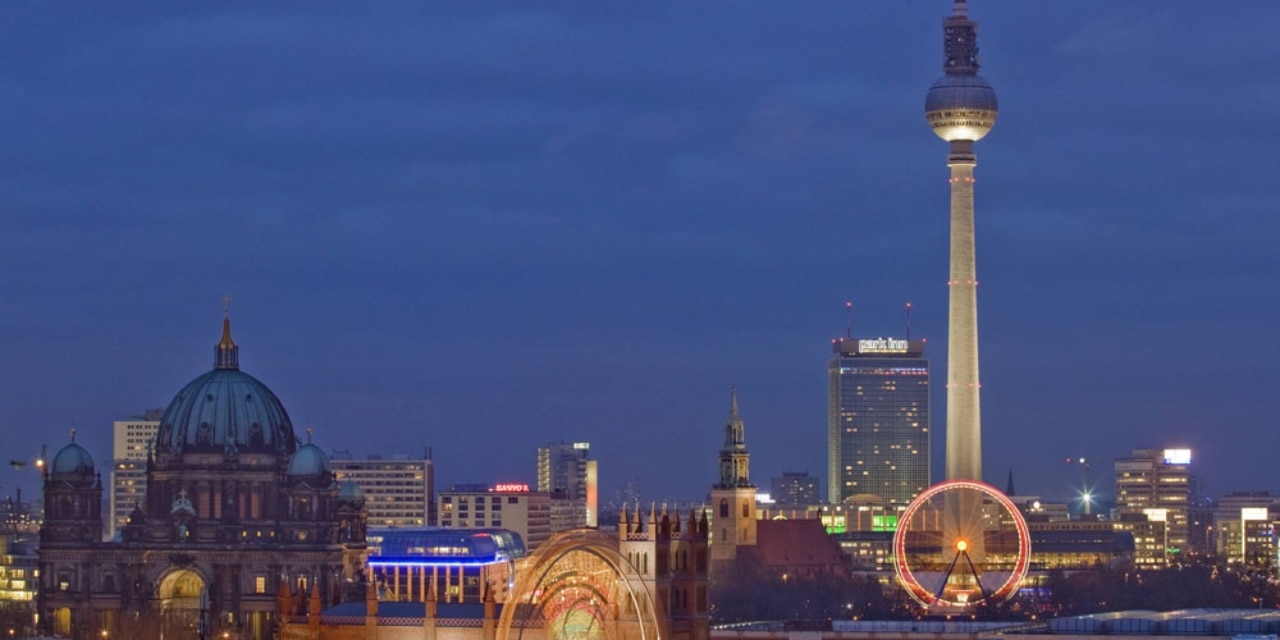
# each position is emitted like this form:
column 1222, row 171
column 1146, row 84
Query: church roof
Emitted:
column 795, row 543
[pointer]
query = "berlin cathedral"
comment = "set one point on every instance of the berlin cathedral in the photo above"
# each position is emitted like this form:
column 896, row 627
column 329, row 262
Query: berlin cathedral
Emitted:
column 239, row 517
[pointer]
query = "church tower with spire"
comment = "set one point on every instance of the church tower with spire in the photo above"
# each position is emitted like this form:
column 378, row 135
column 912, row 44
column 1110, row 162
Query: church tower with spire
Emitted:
column 733, row 499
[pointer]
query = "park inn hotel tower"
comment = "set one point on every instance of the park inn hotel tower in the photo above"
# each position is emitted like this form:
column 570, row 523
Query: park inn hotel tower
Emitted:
column 878, row 420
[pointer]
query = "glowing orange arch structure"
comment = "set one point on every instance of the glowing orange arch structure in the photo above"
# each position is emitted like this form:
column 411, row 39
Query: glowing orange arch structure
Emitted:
column 578, row 586
column 901, row 563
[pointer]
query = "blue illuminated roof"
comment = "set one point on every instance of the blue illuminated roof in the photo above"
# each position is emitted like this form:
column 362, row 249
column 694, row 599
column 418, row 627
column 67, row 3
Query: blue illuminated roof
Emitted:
column 444, row 546
column 347, row 611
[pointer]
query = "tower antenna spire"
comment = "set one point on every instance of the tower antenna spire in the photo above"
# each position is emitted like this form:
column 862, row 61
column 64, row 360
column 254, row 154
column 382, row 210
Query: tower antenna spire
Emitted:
column 908, row 320
column 848, row 319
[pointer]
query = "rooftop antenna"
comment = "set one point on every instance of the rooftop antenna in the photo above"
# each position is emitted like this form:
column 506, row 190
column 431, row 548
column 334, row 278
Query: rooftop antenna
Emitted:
column 908, row 320
column 848, row 319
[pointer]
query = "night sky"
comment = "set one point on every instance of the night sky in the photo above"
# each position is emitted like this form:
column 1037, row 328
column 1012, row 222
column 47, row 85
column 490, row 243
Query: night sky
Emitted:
column 484, row 227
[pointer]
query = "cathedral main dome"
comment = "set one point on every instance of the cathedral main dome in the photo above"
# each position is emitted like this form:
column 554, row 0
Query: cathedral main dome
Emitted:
column 225, row 411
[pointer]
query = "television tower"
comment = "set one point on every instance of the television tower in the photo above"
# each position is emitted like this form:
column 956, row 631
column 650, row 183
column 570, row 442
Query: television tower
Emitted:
column 961, row 109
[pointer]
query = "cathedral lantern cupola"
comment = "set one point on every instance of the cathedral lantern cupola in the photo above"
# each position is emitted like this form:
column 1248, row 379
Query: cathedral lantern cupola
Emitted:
column 226, row 355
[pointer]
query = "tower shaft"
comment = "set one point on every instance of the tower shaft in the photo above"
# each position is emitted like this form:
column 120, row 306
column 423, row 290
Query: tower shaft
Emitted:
column 964, row 425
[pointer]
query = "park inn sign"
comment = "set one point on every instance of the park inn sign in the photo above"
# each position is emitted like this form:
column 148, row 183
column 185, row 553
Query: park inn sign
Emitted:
column 882, row 345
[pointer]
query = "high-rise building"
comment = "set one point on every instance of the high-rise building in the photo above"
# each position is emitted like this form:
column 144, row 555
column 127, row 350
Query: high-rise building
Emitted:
column 794, row 489
column 511, row 506
column 567, row 472
column 961, row 108
column 398, row 489
column 129, row 444
column 878, row 420
column 733, row 499
column 1156, row 483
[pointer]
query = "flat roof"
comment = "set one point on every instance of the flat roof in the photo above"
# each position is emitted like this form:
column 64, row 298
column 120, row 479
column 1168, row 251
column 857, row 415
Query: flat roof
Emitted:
column 444, row 546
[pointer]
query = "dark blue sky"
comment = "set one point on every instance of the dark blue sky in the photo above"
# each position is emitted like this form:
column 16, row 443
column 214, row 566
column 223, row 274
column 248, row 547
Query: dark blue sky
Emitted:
column 486, row 226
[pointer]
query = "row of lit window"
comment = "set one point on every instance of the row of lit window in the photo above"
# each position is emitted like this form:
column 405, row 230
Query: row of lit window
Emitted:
column 464, row 523
column 494, row 500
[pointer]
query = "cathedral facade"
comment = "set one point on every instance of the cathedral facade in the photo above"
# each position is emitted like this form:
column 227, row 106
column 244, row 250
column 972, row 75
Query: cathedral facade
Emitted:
column 238, row 518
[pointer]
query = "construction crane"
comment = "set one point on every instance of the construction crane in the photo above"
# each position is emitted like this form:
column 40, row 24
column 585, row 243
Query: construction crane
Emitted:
column 15, row 510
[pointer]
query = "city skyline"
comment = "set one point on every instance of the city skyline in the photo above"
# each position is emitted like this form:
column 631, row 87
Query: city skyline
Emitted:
column 454, row 226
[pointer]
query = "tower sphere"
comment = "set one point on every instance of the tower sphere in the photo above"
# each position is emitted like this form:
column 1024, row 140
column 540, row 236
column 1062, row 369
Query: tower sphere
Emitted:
column 961, row 107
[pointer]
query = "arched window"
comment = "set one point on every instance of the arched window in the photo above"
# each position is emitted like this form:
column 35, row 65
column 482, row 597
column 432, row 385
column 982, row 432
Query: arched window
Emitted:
column 746, row 509
column 724, row 508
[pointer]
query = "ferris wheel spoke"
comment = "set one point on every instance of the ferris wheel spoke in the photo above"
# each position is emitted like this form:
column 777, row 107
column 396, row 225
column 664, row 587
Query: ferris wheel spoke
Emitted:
column 942, row 584
column 977, row 576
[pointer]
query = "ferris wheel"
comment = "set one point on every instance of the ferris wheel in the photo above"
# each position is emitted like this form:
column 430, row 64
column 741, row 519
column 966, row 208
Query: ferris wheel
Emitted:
column 960, row 543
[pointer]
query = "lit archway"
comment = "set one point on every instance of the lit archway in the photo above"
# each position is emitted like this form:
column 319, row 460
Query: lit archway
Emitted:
column 179, row 591
column 578, row 586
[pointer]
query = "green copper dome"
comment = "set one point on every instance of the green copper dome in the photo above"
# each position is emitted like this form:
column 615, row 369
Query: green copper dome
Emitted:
column 349, row 492
column 226, row 411
column 72, row 464
column 310, row 460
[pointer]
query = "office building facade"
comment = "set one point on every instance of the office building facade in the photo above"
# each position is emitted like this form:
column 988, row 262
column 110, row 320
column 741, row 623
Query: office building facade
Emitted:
column 878, row 420
column 1245, row 525
column 1157, row 483
column 130, row 440
column 794, row 489
column 510, row 506
column 567, row 472
column 398, row 489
